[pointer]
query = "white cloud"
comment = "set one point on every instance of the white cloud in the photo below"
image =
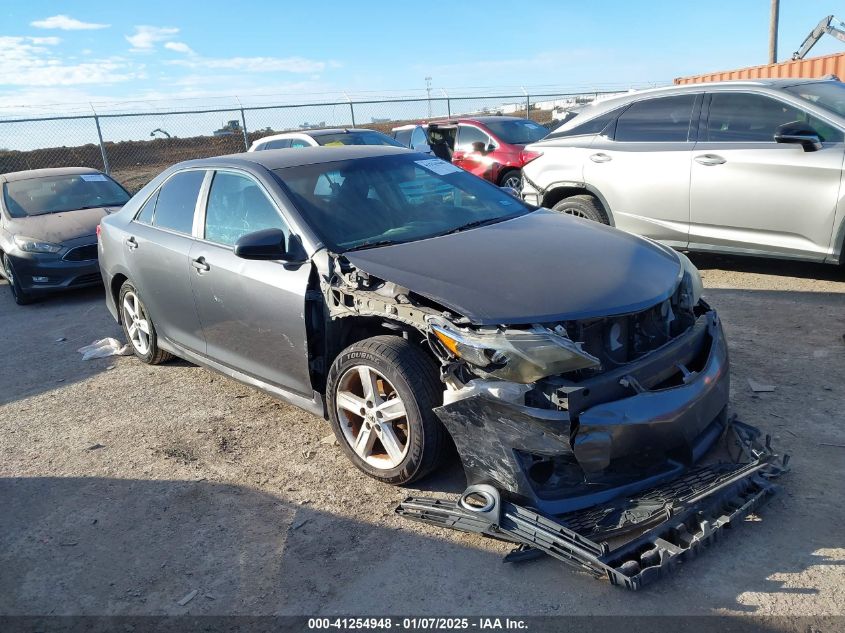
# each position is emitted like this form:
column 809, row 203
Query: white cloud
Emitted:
column 257, row 64
column 145, row 37
column 25, row 61
column 66, row 23
column 179, row 47
column 45, row 41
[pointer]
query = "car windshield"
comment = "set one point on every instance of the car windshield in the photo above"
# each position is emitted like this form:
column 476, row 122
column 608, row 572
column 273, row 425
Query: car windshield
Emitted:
column 356, row 138
column 56, row 194
column 382, row 200
column 517, row 131
column 828, row 94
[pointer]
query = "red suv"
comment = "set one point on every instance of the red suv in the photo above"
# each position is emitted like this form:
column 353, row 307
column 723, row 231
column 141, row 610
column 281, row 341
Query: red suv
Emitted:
column 492, row 147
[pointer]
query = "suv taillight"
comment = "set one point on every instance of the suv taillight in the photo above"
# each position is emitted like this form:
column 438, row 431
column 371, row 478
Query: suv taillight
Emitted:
column 526, row 157
column 98, row 232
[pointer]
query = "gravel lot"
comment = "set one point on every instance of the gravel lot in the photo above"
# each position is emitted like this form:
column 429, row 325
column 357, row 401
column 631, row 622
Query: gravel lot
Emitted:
column 124, row 487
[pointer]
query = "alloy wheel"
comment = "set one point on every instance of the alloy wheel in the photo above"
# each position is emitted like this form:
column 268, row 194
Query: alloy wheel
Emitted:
column 137, row 323
column 372, row 417
column 514, row 182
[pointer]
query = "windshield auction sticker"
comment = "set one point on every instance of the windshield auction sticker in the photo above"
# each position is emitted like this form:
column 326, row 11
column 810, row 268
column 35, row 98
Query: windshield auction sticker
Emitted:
column 439, row 167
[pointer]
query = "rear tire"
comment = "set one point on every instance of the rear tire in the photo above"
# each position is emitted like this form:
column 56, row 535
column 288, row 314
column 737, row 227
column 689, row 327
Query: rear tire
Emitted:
column 18, row 294
column 511, row 178
column 380, row 395
column 138, row 327
column 583, row 206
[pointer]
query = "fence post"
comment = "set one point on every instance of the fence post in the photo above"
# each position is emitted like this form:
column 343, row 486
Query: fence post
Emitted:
column 243, row 125
column 527, row 106
column 352, row 111
column 102, row 145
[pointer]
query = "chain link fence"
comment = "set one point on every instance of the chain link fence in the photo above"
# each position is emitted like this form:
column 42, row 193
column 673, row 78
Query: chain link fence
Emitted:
column 135, row 146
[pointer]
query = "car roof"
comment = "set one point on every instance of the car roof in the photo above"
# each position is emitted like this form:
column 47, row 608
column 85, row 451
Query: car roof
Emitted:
column 316, row 132
column 293, row 157
column 45, row 173
column 476, row 119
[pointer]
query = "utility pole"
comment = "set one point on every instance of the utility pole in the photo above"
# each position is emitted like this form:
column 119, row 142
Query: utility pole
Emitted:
column 773, row 32
column 428, row 92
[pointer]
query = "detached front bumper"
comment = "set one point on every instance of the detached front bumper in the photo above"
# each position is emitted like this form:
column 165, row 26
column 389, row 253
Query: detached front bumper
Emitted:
column 632, row 540
column 624, row 431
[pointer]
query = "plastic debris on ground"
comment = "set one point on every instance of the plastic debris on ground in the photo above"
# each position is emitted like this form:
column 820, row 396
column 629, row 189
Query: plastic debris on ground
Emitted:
column 103, row 348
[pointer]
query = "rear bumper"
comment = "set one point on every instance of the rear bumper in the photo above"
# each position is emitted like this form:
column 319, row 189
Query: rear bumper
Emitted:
column 624, row 431
column 58, row 274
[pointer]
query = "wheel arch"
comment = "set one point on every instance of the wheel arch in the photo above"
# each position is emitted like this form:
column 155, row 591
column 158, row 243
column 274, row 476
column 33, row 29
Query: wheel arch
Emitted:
column 115, row 285
column 561, row 191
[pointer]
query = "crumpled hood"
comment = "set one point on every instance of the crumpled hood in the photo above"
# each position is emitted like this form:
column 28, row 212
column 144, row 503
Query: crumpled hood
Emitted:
column 60, row 227
column 540, row 267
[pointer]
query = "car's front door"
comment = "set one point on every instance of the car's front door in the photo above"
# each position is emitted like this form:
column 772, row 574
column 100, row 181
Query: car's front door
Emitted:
column 640, row 166
column 252, row 312
column 158, row 244
column 751, row 194
column 469, row 154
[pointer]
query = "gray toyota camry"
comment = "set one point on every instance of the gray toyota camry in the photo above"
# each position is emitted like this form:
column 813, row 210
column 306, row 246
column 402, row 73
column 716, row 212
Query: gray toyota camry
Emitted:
column 409, row 302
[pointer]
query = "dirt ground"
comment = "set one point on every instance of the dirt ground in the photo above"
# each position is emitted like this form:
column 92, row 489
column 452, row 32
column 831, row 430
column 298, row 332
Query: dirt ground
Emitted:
column 124, row 487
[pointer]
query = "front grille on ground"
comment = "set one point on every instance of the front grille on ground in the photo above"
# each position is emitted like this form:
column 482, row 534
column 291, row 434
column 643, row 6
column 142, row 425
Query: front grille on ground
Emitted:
column 81, row 253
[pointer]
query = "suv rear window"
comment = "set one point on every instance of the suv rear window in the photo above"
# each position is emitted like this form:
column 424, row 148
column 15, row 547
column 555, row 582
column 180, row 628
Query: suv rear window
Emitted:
column 596, row 125
column 664, row 119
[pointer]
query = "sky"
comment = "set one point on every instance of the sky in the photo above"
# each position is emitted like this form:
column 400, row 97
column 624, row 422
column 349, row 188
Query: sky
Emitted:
column 61, row 56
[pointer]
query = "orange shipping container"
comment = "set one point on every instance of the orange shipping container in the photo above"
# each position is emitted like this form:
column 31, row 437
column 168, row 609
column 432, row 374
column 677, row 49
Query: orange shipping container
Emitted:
column 811, row 68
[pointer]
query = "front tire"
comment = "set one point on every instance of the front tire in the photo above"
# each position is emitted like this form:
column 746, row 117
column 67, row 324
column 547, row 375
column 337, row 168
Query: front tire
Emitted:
column 583, row 206
column 18, row 294
column 381, row 393
column 138, row 327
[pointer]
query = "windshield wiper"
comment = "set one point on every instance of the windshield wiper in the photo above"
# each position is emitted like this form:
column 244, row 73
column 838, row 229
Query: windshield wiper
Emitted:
column 375, row 244
column 473, row 224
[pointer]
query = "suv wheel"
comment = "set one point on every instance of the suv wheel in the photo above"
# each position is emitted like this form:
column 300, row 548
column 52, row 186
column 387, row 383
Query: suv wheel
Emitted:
column 512, row 179
column 583, row 206
column 20, row 297
column 380, row 396
column 138, row 327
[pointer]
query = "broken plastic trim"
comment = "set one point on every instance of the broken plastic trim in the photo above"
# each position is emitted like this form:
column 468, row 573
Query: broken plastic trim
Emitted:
column 516, row 355
column 700, row 505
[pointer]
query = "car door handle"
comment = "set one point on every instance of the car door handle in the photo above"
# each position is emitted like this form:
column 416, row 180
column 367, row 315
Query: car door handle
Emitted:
column 200, row 264
column 709, row 159
column 131, row 243
column 600, row 158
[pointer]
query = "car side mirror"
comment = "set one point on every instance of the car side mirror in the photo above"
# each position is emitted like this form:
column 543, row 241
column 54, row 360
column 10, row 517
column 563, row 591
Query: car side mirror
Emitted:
column 799, row 133
column 268, row 244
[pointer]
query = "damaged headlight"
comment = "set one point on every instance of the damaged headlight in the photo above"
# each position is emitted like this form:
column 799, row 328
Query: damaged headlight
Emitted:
column 691, row 286
column 521, row 356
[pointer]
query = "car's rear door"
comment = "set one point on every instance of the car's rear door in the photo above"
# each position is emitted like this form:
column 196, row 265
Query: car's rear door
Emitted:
column 640, row 166
column 158, row 244
column 252, row 312
column 751, row 194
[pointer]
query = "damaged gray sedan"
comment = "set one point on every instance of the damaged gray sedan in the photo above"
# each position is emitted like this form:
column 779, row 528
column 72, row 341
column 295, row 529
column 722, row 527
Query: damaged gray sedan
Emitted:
column 575, row 367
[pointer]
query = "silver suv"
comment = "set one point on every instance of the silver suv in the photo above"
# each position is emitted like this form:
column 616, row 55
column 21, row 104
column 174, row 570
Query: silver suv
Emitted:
column 751, row 167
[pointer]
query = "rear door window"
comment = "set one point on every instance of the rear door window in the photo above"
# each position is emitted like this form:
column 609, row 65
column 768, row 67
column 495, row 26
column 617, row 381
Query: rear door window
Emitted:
column 418, row 138
column 403, row 136
column 177, row 201
column 660, row 120
column 751, row 118
column 148, row 210
column 279, row 143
